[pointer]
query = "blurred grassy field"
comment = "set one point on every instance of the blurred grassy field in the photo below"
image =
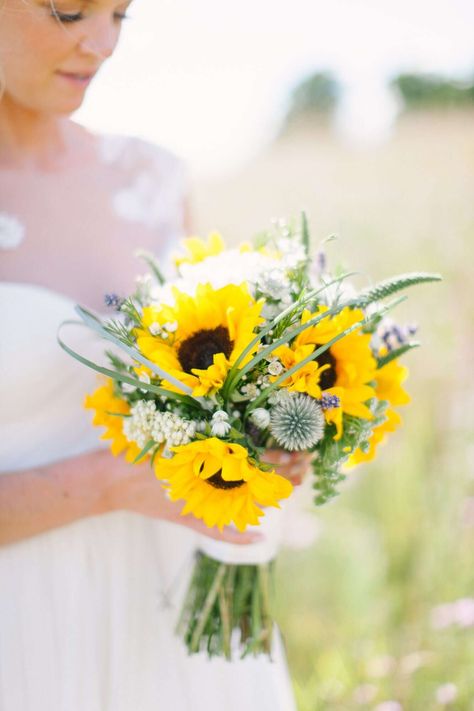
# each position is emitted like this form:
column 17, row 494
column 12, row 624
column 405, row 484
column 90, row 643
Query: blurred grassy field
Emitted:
column 359, row 608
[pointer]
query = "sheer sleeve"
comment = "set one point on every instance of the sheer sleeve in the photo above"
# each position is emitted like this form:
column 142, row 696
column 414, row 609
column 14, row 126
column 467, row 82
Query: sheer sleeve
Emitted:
column 154, row 187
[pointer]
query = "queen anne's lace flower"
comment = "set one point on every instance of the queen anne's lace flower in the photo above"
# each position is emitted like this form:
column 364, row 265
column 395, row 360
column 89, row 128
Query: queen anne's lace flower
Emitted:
column 275, row 367
column 250, row 391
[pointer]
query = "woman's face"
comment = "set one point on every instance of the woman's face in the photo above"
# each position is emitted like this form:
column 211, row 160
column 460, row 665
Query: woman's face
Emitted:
column 49, row 52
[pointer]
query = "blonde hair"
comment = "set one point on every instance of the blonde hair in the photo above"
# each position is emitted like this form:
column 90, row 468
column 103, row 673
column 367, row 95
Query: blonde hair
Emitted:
column 2, row 73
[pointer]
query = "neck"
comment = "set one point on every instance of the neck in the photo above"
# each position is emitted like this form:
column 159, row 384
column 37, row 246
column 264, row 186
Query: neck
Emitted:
column 30, row 138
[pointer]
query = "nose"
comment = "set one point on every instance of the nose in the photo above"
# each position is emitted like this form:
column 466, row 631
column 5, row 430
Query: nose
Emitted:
column 100, row 37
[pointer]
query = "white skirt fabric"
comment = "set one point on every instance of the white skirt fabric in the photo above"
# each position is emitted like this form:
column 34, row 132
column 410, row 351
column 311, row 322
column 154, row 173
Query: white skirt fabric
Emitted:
column 88, row 611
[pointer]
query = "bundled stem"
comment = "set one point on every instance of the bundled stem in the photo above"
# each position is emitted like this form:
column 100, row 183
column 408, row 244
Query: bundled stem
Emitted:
column 228, row 609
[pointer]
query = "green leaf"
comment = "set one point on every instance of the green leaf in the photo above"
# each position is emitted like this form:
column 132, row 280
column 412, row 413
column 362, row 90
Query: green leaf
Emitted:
column 305, row 233
column 150, row 260
column 116, row 362
column 122, row 377
column 312, row 356
column 391, row 286
column 396, row 353
column 151, row 443
column 95, row 324
column 235, row 374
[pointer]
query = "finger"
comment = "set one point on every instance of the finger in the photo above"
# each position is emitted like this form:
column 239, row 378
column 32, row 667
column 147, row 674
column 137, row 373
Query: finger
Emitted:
column 277, row 456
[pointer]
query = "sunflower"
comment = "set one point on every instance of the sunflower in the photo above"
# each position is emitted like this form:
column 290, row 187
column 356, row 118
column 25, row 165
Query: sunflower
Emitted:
column 199, row 338
column 108, row 410
column 198, row 250
column 344, row 370
column 388, row 386
column 306, row 379
column 219, row 483
column 392, row 422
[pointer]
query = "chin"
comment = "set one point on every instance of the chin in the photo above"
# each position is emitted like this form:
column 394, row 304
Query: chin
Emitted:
column 66, row 106
column 70, row 109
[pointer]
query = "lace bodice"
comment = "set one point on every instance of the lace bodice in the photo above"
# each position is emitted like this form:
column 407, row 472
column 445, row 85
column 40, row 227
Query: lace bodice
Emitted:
column 150, row 189
column 41, row 387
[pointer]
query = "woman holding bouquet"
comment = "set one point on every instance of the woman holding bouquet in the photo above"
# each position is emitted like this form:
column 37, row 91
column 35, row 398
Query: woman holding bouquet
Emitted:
column 92, row 562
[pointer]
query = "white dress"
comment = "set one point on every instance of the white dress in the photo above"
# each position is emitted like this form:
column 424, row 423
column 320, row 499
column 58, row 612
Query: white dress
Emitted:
column 88, row 610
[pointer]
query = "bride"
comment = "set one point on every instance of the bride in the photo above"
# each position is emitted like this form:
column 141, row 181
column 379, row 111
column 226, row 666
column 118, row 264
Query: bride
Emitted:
column 93, row 557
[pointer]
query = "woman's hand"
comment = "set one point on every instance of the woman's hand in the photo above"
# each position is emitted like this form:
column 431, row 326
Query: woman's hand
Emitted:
column 135, row 488
column 294, row 466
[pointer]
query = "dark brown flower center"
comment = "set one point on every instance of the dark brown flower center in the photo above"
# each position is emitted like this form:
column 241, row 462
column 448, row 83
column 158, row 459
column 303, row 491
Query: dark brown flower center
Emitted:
column 328, row 377
column 198, row 350
column 219, row 483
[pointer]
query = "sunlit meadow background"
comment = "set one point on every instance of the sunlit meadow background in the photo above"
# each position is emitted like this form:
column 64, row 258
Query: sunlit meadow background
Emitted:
column 375, row 598
column 360, row 607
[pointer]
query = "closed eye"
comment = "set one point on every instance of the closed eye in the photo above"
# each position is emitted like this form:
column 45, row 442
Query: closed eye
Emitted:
column 78, row 16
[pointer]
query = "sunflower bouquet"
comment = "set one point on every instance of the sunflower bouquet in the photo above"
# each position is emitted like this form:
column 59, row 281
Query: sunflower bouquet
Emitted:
column 240, row 351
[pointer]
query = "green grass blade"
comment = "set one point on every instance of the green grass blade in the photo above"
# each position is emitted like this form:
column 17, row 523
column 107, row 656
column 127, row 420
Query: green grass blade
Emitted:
column 392, row 285
column 312, row 356
column 396, row 353
column 151, row 443
column 235, row 374
column 122, row 377
column 150, row 261
column 305, row 232
column 96, row 325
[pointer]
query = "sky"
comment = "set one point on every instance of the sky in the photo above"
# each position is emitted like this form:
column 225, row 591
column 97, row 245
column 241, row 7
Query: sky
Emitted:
column 210, row 79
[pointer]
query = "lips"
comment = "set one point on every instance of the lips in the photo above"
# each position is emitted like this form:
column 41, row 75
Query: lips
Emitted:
column 80, row 77
column 75, row 75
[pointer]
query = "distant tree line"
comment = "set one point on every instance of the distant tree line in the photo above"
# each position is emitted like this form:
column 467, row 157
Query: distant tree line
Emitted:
column 317, row 96
column 431, row 91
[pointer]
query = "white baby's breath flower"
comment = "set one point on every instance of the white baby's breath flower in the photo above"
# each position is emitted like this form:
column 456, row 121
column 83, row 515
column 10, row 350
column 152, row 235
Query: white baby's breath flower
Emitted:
column 261, row 418
column 271, row 310
column 143, row 286
column 293, row 252
column 145, row 424
column 138, row 427
column 273, row 283
column 172, row 429
column 154, row 328
column 229, row 267
column 171, row 326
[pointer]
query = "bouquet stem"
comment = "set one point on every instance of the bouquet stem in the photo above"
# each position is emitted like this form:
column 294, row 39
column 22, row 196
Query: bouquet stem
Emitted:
column 228, row 608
